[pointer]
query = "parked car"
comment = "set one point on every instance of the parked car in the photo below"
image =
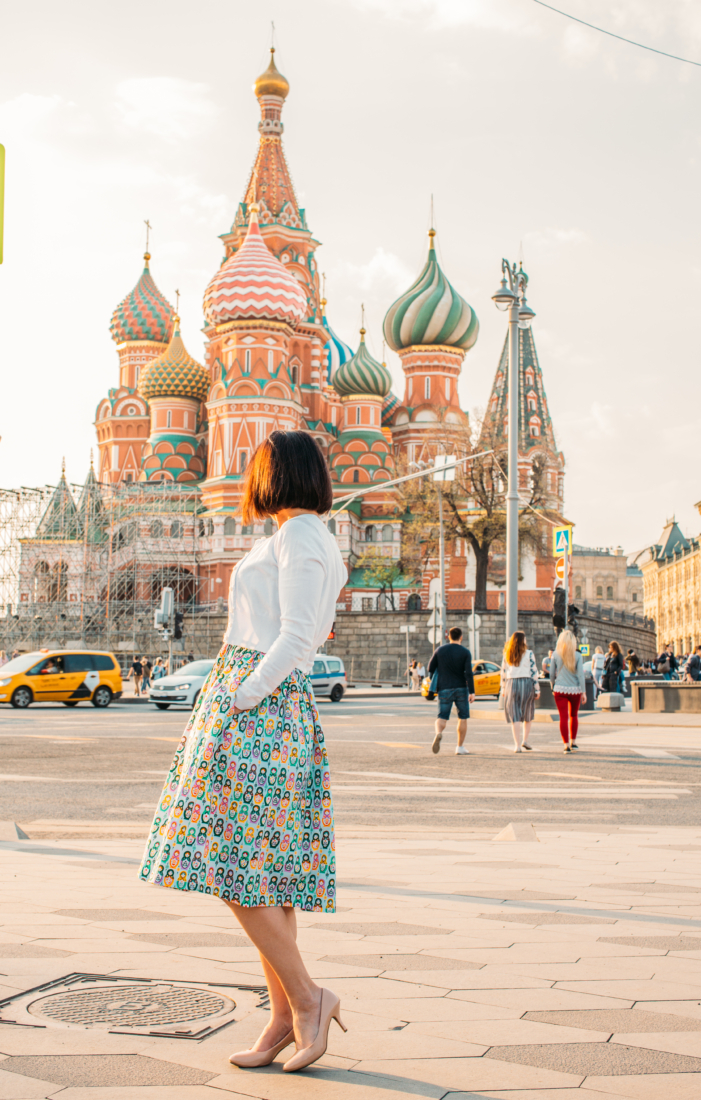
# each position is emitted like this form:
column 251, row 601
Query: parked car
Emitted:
column 61, row 676
column 487, row 679
column 328, row 677
column 182, row 686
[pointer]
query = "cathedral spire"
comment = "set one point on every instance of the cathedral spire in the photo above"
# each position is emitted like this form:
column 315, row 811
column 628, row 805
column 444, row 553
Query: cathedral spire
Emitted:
column 270, row 183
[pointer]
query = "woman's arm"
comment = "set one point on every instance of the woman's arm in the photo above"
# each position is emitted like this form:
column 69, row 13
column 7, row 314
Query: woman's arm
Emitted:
column 302, row 575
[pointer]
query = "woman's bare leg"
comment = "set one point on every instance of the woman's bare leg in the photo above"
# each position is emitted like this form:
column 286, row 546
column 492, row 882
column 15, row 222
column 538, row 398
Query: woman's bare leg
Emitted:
column 526, row 732
column 516, row 728
column 273, row 931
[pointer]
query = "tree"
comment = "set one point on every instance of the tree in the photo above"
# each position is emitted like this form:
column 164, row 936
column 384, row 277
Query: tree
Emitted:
column 382, row 571
column 474, row 503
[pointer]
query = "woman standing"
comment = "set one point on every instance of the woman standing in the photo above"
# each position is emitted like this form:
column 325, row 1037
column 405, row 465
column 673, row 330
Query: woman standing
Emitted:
column 569, row 690
column 414, row 675
column 597, row 667
column 246, row 812
column 613, row 667
column 519, row 677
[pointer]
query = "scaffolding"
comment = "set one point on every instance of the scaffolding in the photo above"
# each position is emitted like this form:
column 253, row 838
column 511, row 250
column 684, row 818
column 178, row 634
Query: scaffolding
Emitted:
column 84, row 565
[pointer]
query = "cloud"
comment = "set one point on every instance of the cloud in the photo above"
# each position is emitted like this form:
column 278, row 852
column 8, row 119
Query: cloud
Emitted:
column 167, row 107
column 439, row 14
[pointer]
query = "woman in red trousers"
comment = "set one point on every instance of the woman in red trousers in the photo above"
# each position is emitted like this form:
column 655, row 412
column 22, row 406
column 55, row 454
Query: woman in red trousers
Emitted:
column 567, row 677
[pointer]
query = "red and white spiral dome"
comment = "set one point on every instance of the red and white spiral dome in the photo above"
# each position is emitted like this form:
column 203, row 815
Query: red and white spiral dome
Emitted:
column 253, row 283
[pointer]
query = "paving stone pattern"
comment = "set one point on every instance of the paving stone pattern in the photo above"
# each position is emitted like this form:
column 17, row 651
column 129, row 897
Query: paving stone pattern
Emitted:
column 386, row 928
column 403, row 962
column 31, row 951
column 116, row 914
column 682, row 942
column 546, row 918
column 621, row 1021
column 190, row 939
column 647, row 887
column 101, row 1070
column 610, row 1059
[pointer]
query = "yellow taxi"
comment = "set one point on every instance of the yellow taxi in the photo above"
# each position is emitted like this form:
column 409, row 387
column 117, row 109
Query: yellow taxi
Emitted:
column 487, row 677
column 61, row 676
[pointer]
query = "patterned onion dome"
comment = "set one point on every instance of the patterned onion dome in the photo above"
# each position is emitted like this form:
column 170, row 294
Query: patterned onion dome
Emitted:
column 271, row 82
column 174, row 373
column 336, row 353
column 144, row 314
column 389, row 404
column 362, row 374
column 431, row 312
column 253, row 283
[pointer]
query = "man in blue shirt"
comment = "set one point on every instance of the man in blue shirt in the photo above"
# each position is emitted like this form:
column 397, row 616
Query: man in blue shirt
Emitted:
column 453, row 663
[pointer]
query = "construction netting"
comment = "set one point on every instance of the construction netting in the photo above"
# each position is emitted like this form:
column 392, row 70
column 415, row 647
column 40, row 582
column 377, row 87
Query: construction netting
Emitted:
column 85, row 565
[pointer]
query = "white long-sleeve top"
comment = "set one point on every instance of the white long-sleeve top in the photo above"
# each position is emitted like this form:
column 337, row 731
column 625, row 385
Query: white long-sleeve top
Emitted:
column 282, row 602
column 527, row 668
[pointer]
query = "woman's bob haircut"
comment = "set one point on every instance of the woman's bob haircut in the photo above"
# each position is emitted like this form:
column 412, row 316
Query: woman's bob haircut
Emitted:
column 287, row 470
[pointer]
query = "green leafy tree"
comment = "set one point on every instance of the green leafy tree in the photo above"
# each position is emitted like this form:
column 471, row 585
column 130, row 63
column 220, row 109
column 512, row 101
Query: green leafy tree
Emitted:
column 381, row 570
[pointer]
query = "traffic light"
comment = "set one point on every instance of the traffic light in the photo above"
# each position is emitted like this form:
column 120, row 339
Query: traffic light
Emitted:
column 163, row 615
column 559, row 609
column 178, row 625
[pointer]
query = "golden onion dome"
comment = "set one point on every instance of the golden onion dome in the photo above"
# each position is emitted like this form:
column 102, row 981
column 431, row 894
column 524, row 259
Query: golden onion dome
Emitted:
column 271, row 82
column 174, row 373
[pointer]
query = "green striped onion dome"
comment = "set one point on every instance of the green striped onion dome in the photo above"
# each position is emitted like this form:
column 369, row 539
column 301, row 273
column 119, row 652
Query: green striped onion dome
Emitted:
column 362, row 374
column 431, row 312
column 174, row 373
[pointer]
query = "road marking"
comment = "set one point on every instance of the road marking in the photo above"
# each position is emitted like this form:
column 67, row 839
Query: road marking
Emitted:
column 656, row 754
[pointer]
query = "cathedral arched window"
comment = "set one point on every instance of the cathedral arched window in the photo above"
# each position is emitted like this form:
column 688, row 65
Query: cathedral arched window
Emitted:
column 156, row 529
column 356, row 476
column 230, row 526
column 387, row 533
column 357, row 414
column 176, row 529
column 534, row 426
column 530, row 377
column 532, row 402
column 609, row 592
column 332, row 526
column 427, row 387
column 370, row 533
column 248, row 361
column 447, row 388
column 42, row 573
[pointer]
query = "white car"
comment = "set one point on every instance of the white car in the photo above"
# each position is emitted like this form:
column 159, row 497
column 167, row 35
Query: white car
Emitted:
column 182, row 687
column 328, row 677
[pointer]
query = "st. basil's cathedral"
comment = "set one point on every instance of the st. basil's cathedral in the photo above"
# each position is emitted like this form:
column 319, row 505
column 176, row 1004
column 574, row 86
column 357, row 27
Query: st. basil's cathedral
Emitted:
column 272, row 361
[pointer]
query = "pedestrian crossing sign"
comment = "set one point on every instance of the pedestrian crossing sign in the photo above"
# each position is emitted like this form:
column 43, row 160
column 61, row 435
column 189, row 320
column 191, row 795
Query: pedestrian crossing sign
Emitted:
column 585, row 650
column 562, row 540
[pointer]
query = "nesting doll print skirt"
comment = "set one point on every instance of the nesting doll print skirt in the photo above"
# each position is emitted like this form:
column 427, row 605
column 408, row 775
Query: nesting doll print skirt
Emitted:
column 246, row 811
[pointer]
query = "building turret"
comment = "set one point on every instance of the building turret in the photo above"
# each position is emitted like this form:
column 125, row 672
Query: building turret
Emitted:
column 431, row 328
column 175, row 385
column 363, row 453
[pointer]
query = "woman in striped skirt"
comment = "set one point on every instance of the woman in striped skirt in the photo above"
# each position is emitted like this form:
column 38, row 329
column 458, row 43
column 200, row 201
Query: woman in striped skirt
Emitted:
column 519, row 682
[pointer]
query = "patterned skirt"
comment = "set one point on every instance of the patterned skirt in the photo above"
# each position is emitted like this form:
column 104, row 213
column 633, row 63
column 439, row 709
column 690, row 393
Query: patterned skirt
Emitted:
column 519, row 699
column 246, row 811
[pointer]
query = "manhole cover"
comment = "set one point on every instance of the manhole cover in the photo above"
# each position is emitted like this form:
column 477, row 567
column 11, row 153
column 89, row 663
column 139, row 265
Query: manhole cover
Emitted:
column 131, row 1006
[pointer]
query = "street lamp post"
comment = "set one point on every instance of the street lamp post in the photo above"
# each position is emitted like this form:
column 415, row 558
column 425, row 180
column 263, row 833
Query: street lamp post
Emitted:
column 511, row 295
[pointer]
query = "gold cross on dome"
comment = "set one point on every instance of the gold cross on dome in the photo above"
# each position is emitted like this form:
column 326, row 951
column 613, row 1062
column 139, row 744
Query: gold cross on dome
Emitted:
column 149, row 227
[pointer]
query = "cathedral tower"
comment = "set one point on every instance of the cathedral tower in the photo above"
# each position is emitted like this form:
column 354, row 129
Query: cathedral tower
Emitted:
column 142, row 325
column 431, row 328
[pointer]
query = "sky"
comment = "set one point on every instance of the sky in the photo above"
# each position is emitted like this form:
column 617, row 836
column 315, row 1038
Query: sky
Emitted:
column 537, row 138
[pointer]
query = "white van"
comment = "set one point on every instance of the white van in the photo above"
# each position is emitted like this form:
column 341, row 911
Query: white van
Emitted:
column 328, row 677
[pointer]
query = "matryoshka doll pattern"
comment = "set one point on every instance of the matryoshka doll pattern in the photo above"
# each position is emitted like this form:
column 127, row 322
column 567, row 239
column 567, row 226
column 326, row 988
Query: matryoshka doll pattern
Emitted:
column 246, row 811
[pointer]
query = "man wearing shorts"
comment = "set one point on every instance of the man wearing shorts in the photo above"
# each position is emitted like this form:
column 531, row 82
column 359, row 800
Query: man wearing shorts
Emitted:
column 453, row 663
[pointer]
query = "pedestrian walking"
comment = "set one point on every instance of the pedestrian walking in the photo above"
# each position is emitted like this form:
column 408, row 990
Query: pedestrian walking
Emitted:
column 146, row 676
column 634, row 663
column 545, row 663
column 413, row 671
column 667, row 663
column 158, row 669
column 3, row 658
column 135, row 673
column 569, row 689
column 452, row 665
column 597, row 668
column 519, row 680
column 252, row 767
column 692, row 672
column 613, row 666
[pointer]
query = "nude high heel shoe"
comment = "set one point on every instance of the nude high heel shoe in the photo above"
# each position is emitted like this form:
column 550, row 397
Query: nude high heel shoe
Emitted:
column 251, row 1059
column 329, row 1009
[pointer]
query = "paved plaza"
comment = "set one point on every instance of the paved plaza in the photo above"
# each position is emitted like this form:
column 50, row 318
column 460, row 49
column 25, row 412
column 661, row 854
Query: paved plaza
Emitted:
column 563, row 963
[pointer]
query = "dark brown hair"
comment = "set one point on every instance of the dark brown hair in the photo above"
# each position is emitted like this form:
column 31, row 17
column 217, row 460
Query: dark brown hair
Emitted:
column 515, row 648
column 615, row 648
column 287, row 470
column 455, row 633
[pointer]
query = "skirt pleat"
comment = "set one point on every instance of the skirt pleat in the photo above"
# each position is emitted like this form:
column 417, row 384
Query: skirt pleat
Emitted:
column 246, row 811
column 519, row 700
